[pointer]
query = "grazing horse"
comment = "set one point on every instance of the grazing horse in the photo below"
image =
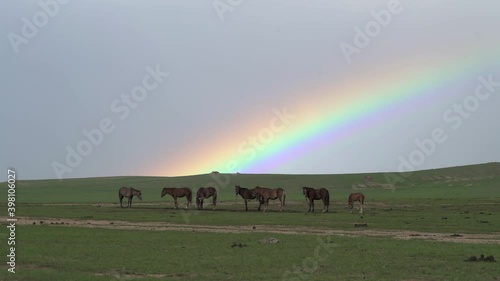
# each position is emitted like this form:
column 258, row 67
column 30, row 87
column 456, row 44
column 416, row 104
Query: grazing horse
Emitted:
column 312, row 194
column 246, row 194
column 128, row 192
column 206, row 192
column 267, row 194
column 178, row 192
column 353, row 197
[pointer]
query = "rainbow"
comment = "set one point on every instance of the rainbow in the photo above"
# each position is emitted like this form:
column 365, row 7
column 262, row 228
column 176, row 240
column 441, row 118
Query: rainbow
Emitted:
column 337, row 111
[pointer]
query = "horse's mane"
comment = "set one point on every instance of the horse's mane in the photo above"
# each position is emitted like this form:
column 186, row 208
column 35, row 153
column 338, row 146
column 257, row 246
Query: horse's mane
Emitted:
column 242, row 188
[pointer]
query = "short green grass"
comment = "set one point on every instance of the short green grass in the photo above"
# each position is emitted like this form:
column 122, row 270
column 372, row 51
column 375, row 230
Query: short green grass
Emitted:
column 65, row 253
column 459, row 215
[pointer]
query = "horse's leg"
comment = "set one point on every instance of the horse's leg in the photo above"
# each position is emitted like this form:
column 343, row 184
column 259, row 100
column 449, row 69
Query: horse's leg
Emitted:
column 312, row 205
column 187, row 205
column 175, row 203
column 129, row 204
column 121, row 201
column 246, row 205
column 201, row 203
column 266, row 204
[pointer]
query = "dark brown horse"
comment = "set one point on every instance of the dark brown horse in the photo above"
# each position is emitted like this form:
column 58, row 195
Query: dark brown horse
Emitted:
column 246, row 194
column 206, row 192
column 353, row 197
column 265, row 194
column 312, row 194
column 178, row 192
column 128, row 192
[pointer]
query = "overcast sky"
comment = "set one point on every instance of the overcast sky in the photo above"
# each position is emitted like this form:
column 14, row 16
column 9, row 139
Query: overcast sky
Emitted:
column 206, row 75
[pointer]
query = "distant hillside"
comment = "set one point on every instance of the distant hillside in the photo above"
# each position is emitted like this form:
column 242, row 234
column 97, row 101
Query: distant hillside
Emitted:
column 458, row 174
column 454, row 176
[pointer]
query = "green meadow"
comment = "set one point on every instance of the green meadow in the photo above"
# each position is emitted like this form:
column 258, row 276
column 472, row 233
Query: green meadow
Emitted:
column 105, row 254
column 339, row 245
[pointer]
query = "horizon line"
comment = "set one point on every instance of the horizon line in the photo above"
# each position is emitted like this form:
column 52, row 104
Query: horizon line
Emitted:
column 241, row 173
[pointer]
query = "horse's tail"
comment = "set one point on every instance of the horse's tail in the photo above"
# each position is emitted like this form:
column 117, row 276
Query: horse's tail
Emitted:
column 327, row 198
column 189, row 196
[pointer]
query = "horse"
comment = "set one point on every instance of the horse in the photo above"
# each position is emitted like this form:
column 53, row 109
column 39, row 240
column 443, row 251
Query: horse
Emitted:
column 267, row 194
column 128, row 192
column 353, row 197
column 312, row 194
column 178, row 192
column 247, row 194
column 206, row 192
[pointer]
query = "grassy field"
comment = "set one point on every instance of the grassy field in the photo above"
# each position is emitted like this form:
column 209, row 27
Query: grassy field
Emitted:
column 459, row 200
column 104, row 254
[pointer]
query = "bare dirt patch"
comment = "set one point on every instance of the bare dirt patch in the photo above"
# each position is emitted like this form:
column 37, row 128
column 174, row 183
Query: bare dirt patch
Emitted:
column 131, row 276
column 21, row 266
column 280, row 229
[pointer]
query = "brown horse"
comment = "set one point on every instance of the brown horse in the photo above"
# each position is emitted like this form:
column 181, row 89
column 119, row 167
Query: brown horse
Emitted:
column 128, row 192
column 266, row 194
column 353, row 197
column 246, row 194
column 206, row 192
column 312, row 194
column 178, row 192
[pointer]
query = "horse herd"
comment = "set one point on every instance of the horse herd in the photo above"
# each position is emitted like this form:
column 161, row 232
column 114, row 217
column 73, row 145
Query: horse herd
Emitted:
column 261, row 194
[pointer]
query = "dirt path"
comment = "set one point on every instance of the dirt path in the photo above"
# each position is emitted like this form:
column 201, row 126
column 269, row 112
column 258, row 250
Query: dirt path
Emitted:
column 280, row 229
